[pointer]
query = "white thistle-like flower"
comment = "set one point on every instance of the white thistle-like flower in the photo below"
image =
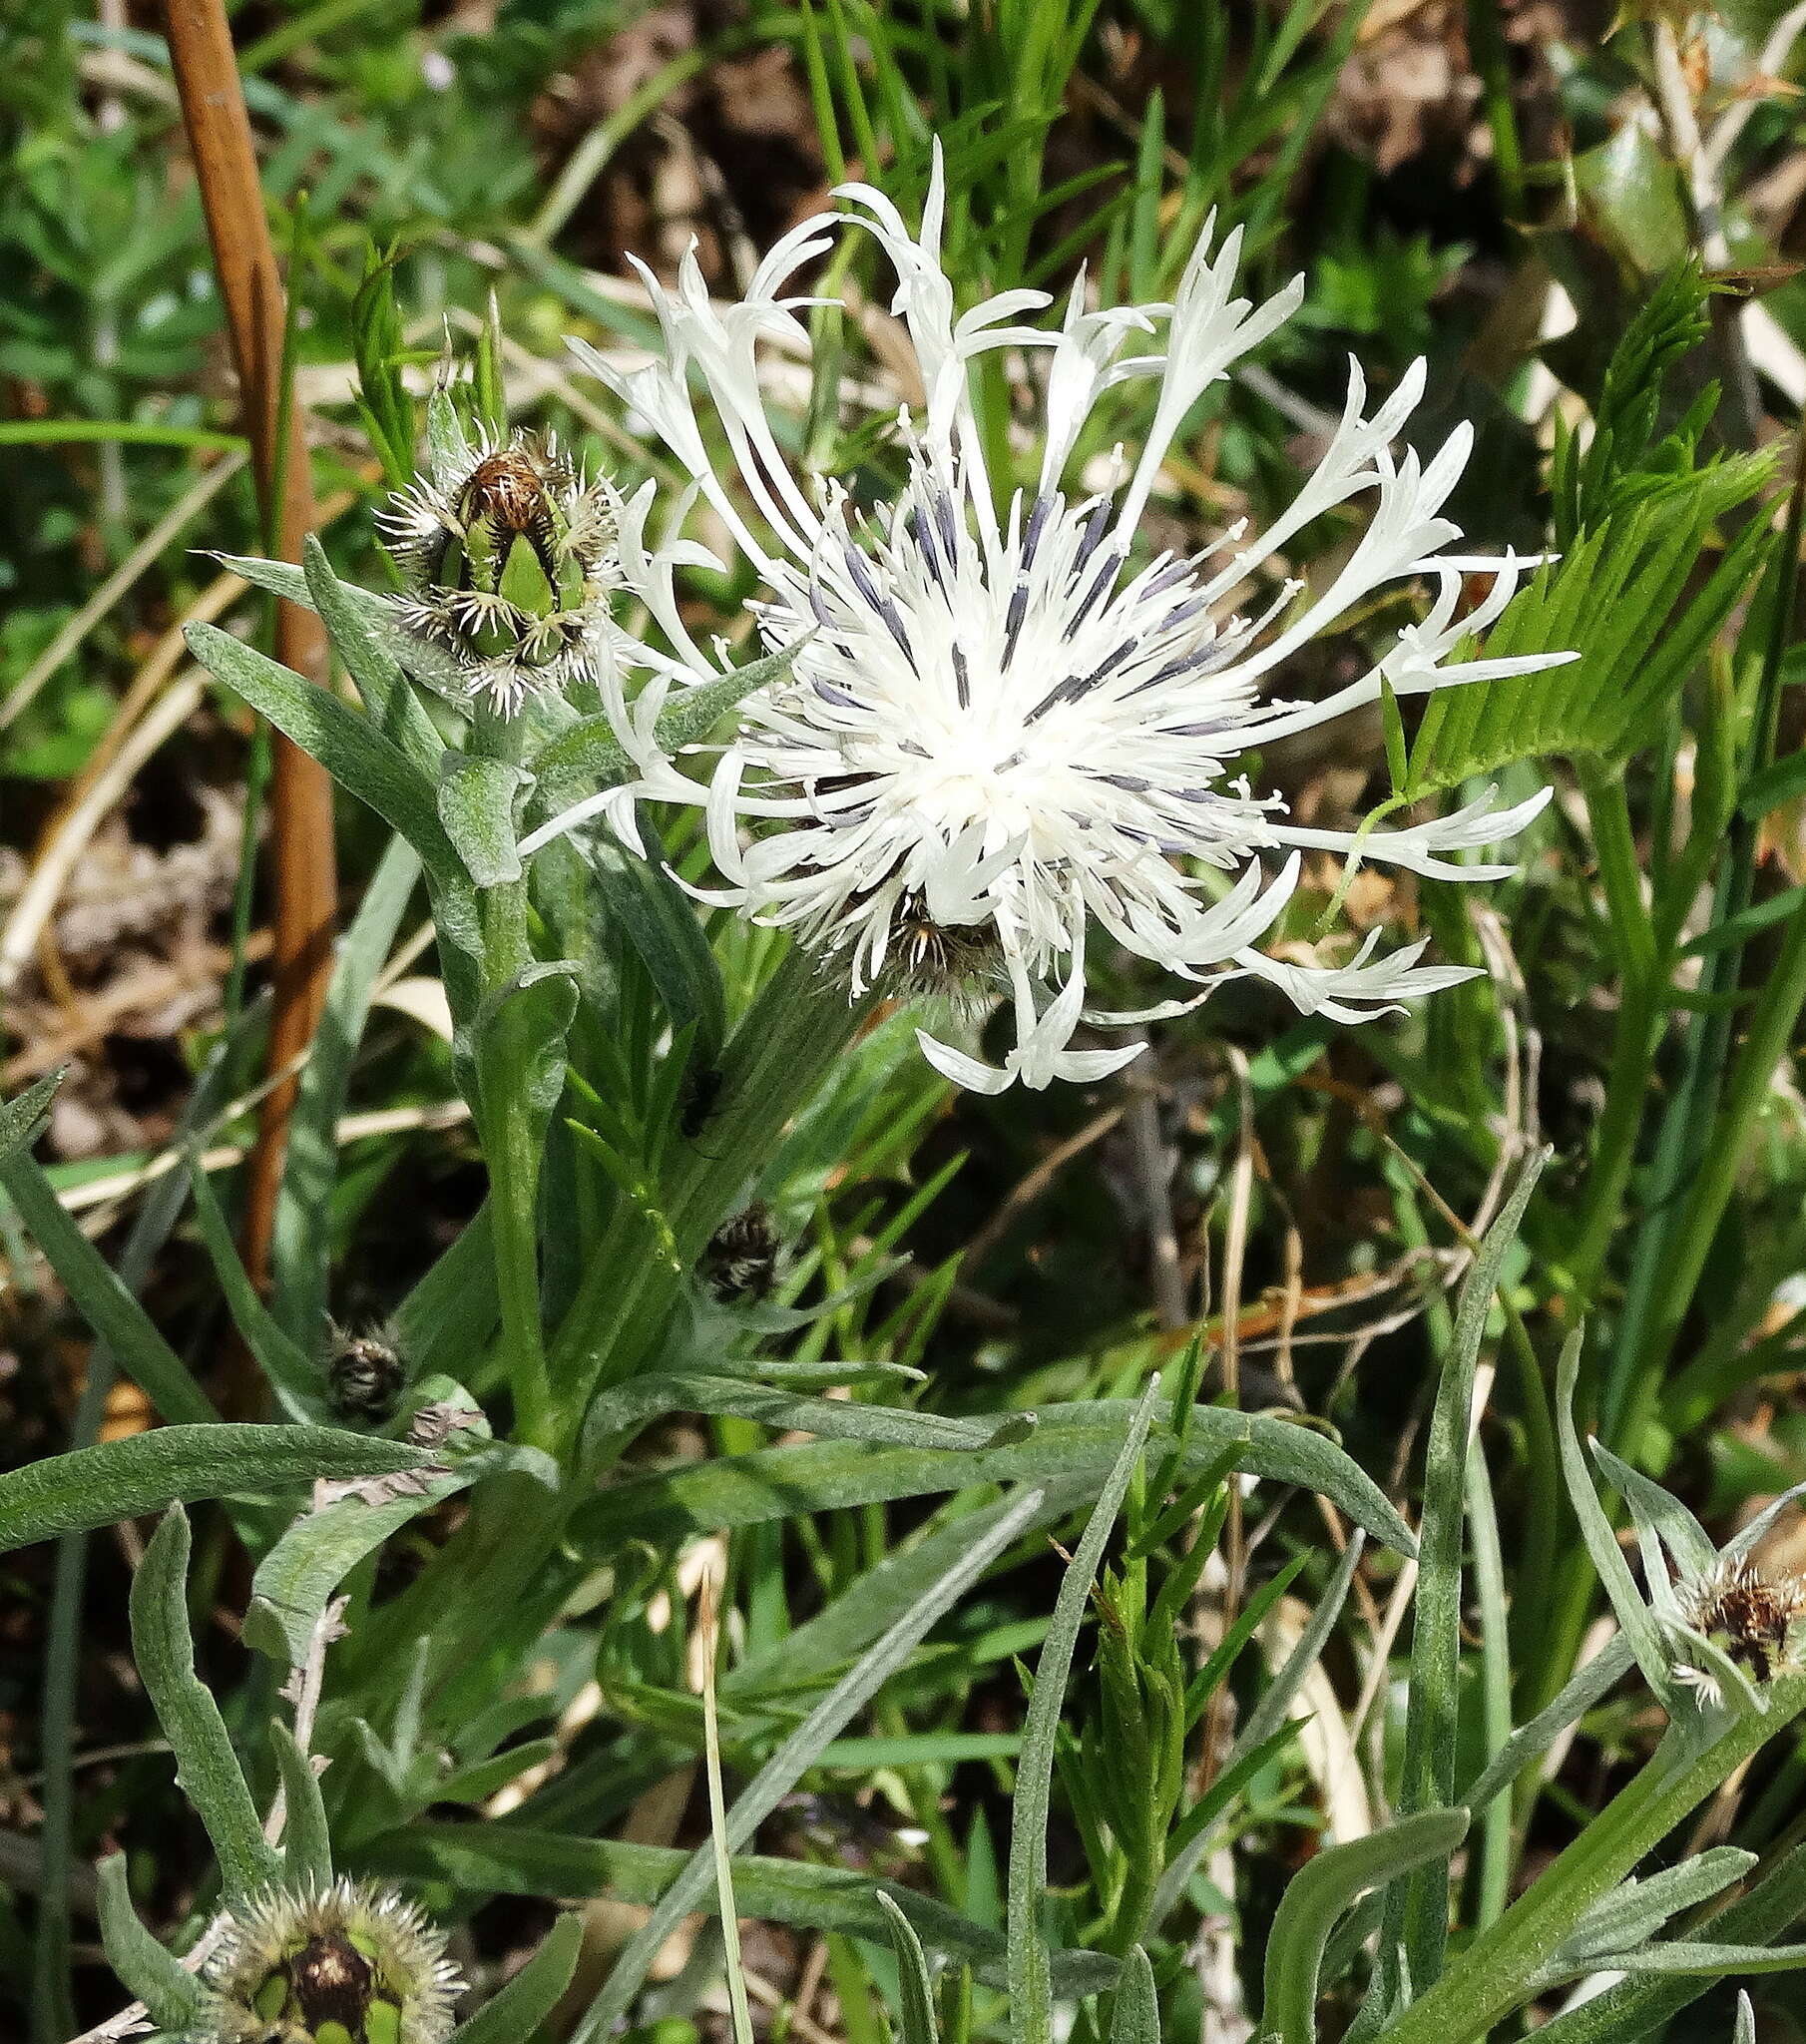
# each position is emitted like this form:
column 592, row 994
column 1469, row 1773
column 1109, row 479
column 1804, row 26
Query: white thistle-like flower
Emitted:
column 1004, row 735
column 507, row 557
column 352, row 1960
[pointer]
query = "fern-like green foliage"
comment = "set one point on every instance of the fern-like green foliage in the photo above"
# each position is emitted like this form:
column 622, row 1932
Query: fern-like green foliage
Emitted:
column 1632, row 513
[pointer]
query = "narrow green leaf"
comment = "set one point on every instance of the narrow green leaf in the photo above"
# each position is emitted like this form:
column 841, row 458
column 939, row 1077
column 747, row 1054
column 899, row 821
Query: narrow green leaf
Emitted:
column 172, row 1995
column 22, row 1119
column 1716, row 1961
column 1136, row 2018
column 144, row 1472
column 1397, row 751
column 1318, row 1895
column 220, row 1077
column 1270, row 1712
column 1529, row 1741
column 447, row 442
column 350, row 748
column 1662, row 1521
column 1782, row 780
column 1031, row 1987
column 1736, row 930
column 102, row 1298
column 661, row 924
column 303, row 1572
column 1077, row 1441
column 307, row 1842
column 446, row 1321
column 482, row 1778
column 798, row 1751
column 1639, row 2007
column 433, row 666
column 364, row 636
column 207, row 1768
column 1634, row 1618
column 514, row 2015
column 914, row 2019
column 1418, row 1912
column 625, row 1411
column 293, row 1373
column 512, row 1859
column 1639, row 1909
column 873, row 1600
column 589, row 749
column 302, row 1246
column 476, row 804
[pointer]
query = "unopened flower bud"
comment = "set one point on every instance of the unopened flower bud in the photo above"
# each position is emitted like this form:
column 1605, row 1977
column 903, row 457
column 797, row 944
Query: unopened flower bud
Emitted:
column 741, row 1262
column 508, row 553
column 365, row 1377
column 351, row 1965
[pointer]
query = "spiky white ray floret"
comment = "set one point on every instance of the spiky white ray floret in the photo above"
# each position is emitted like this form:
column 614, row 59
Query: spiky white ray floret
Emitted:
column 1003, row 724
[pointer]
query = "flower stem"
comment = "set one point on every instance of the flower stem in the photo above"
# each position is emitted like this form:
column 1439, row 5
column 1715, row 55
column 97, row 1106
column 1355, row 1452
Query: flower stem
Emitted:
column 511, row 1142
column 1493, row 1975
column 777, row 1057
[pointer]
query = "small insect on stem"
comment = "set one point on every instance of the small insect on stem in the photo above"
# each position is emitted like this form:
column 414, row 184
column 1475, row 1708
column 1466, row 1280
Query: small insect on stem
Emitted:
column 698, row 1098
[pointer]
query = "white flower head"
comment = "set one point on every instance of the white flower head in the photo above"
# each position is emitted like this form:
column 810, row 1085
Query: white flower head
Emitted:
column 1004, row 734
column 507, row 552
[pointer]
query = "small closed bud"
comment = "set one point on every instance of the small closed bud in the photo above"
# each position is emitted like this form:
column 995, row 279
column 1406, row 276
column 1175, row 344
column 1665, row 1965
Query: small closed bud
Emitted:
column 1752, row 1616
column 349, row 1964
column 364, row 1377
column 508, row 556
column 741, row 1262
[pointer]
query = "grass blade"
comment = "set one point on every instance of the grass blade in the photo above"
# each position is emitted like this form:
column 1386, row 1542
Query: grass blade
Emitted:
column 1031, row 1990
column 798, row 1751
column 514, row 2015
column 1418, row 1913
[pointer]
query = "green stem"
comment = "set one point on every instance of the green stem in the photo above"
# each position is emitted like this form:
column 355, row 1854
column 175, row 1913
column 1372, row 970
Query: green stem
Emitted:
column 1640, row 1018
column 1493, row 1976
column 778, row 1056
column 1643, row 970
column 1770, row 1034
column 1620, row 872
column 1699, row 1138
column 1542, row 1525
column 511, row 1140
column 1486, row 45
column 1495, row 1876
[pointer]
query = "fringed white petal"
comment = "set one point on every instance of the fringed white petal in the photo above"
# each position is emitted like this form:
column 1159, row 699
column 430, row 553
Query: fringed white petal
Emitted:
column 998, row 733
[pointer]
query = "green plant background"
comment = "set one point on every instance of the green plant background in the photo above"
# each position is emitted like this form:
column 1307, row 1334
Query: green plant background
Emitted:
column 967, row 1787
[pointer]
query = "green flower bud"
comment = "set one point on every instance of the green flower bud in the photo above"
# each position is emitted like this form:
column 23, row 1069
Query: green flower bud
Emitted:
column 352, row 1965
column 507, row 557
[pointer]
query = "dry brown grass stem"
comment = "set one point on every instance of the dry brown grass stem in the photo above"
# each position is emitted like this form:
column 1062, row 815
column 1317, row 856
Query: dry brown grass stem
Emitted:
column 305, row 882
